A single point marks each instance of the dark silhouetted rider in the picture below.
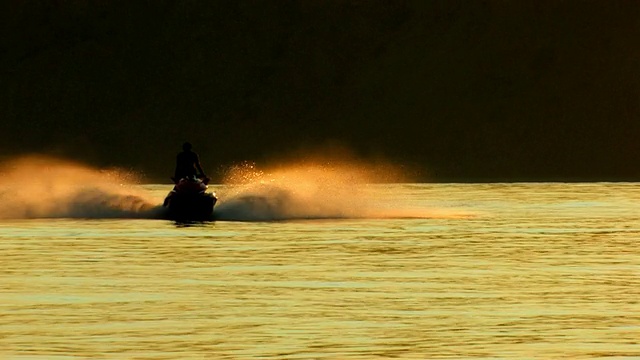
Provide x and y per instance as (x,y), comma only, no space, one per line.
(188,164)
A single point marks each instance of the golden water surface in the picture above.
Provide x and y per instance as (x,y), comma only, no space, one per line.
(507,271)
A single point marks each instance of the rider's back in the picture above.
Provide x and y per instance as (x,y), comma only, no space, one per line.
(186,164)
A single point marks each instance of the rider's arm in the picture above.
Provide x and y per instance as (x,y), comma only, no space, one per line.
(199,167)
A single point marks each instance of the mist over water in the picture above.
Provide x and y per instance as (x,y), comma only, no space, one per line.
(44,187)
(314,191)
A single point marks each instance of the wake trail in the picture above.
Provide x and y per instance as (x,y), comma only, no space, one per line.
(44,187)
(312,191)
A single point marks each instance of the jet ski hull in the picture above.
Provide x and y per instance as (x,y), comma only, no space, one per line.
(189,201)
(190,207)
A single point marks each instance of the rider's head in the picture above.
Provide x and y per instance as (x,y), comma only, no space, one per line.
(186,146)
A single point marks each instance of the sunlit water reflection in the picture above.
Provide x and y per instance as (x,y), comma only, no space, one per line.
(529,271)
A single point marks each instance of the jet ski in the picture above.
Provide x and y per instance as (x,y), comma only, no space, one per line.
(189,200)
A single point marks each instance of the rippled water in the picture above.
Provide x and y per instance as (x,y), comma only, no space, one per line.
(497,271)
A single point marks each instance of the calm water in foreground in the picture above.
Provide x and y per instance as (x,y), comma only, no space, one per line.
(507,271)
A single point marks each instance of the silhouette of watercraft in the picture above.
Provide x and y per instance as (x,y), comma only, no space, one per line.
(190,200)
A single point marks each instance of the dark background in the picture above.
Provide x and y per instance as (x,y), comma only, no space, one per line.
(465,90)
